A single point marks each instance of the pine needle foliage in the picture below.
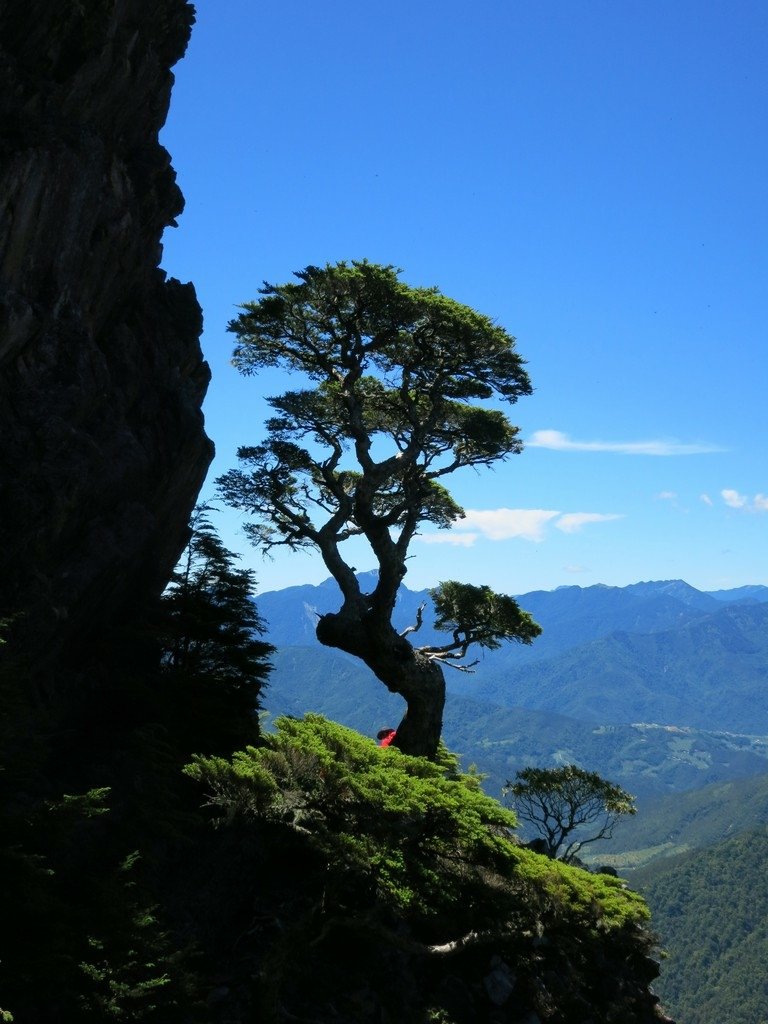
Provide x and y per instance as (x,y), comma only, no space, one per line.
(210,635)
(399,384)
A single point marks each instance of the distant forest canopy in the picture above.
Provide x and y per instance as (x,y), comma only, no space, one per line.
(711,906)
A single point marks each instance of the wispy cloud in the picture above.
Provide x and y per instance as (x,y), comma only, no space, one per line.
(575,568)
(505,523)
(741,501)
(706,499)
(560,442)
(513,523)
(667,495)
(462,540)
(734,499)
(572,522)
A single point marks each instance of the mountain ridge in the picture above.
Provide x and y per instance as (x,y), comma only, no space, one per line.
(646,758)
(657,652)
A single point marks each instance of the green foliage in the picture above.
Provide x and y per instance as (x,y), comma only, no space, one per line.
(394,881)
(477,615)
(560,803)
(393,367)
(316,323)
(397,373)
(402,832)
(389,818)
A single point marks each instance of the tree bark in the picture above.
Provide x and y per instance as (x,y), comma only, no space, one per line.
(402,669)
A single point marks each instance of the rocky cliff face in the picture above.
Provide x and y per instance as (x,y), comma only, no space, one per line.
(101,374)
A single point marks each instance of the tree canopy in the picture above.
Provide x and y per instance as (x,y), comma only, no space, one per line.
(565,805)
(396,376)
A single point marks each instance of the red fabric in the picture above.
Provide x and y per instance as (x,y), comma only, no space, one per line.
(386,740)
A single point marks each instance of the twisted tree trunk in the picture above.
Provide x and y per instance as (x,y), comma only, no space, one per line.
(401,668)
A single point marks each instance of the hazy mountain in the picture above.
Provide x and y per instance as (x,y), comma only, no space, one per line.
(569,616)
(658,652)
(707,674)
(645,759)
(757,593)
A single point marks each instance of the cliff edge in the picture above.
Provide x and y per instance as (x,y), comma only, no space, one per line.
(101,371)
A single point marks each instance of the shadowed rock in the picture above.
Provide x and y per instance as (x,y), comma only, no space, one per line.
(102,378)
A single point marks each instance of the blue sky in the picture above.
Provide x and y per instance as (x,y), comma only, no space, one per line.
(592,175)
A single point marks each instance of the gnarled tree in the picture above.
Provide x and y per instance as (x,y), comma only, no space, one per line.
(396,374)
(568,807)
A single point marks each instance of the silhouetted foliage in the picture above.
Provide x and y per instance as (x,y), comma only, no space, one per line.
(212,654)
(561,803)
(95,813)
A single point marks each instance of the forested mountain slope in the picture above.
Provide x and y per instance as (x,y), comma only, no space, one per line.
(676,823)
(711,907)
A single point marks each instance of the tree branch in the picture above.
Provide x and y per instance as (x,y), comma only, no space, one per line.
(419,621)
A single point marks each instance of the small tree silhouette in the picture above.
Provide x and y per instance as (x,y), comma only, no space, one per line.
(560,803)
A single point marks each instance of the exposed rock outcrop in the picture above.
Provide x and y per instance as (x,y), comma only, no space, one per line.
(103,447)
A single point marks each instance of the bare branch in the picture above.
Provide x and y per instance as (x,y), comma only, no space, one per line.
(419,621)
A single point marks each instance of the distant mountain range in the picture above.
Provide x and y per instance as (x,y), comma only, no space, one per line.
(658,686)
(709,672)
(645,759)
(652,652)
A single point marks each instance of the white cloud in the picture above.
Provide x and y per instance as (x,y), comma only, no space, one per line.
(571,522)
(464,540)
(706,499)
(666,496)
(575,568)
(735,500)
(506,523)
(510,523)
(560,442)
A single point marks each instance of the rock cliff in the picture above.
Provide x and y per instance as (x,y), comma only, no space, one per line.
(103,447)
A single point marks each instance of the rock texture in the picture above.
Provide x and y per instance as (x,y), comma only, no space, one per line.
(101,374)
